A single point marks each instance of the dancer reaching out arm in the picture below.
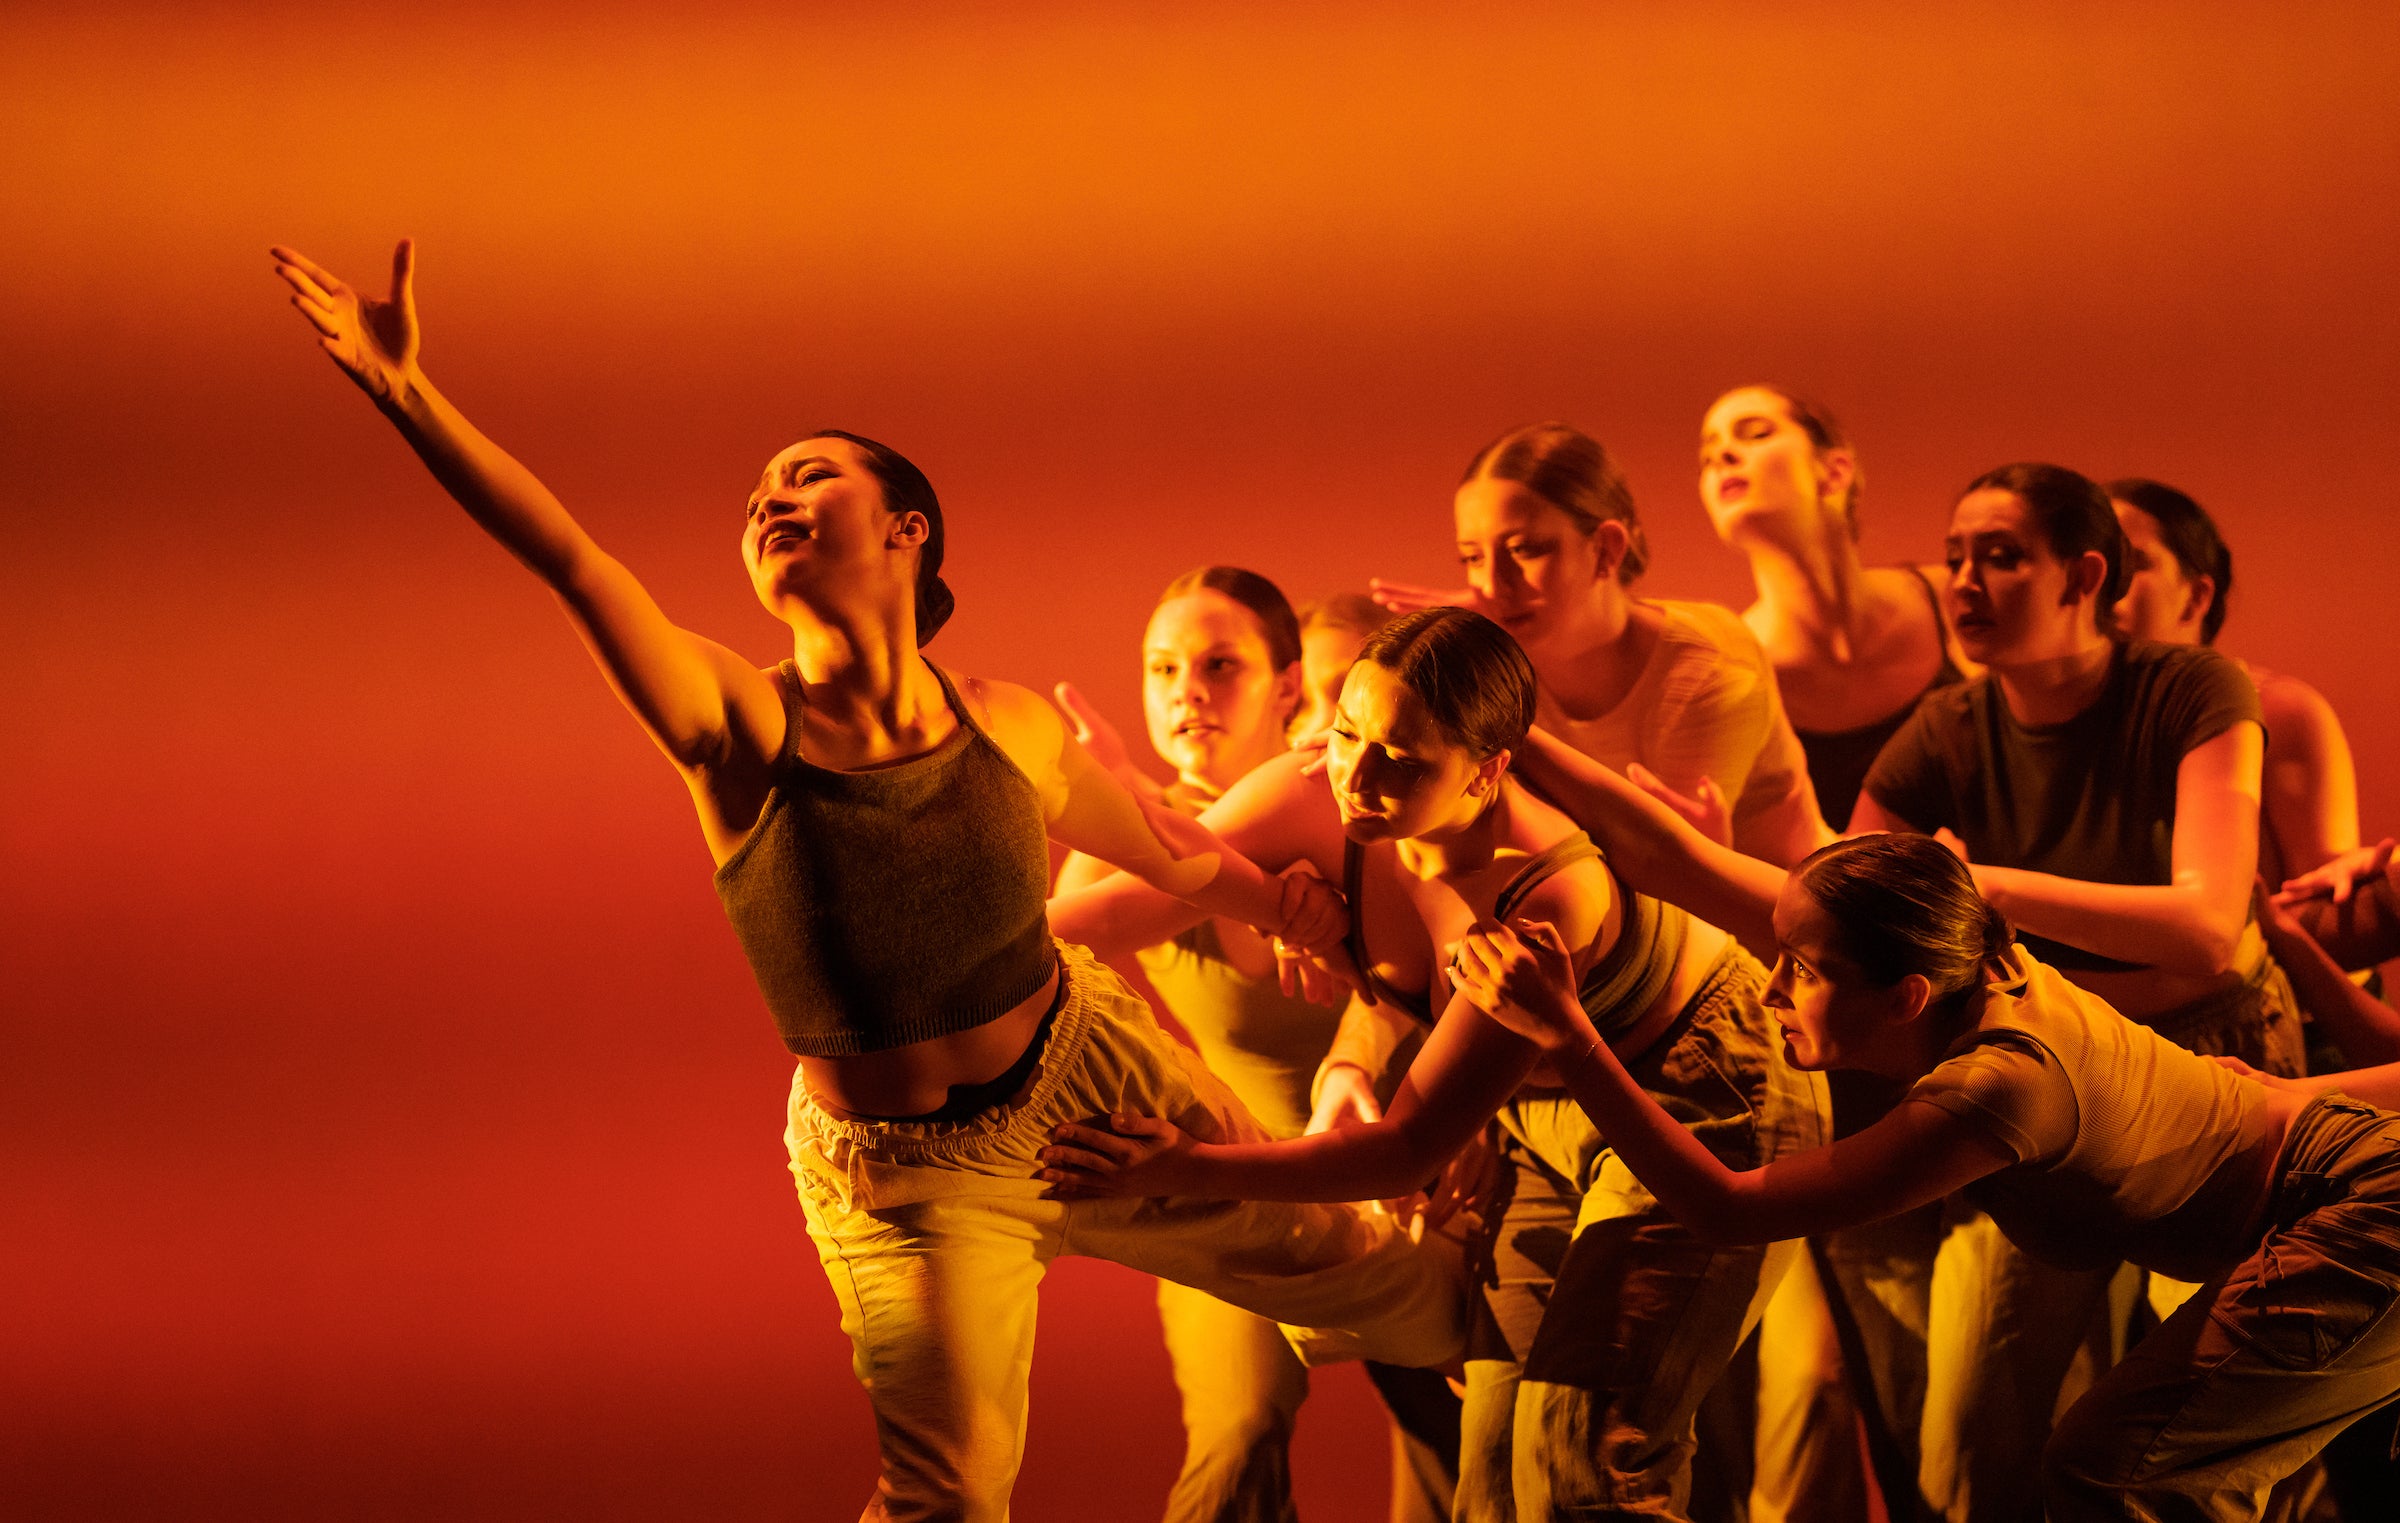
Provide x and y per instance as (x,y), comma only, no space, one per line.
(2273,1197)
(879,833)
(718,718)
(1592,1292)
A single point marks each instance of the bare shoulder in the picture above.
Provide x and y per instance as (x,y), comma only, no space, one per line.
(2296,713)
(1019,720)
(1278,814)
(1282,781)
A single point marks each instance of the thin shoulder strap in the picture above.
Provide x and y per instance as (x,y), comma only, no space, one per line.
(1354,872)
(950,696)
(795,701)
(1544,866)
(1941,626)
(1933,594)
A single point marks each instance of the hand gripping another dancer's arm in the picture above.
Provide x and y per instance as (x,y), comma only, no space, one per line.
(1519,974)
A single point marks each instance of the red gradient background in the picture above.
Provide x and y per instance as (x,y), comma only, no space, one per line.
(388,1127)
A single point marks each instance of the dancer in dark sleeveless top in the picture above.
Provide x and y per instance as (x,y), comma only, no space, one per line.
(1854,647)
(879,830)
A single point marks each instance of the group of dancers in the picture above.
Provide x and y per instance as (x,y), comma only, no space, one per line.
(1636,1029)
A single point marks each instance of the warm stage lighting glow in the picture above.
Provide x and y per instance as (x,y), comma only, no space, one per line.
(392,1129)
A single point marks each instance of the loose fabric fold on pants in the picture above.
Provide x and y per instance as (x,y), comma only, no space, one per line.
(2254,1375)
(1599,1321)
(935,1237)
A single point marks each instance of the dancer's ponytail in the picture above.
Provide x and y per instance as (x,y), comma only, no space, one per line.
(1906,904)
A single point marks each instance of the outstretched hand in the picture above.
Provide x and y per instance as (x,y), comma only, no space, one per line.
(1704,807)
(1316,919)
(1328,978)
(1522,976)
(1463,1189)
(2340,877)
(1097,734)
(1131,1156)
(1403,597)
(374,341)
(1346,1098)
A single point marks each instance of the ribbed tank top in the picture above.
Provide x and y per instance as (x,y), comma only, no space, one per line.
(1615,991)
(895,904)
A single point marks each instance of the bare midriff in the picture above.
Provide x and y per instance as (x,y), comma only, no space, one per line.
(916,1080)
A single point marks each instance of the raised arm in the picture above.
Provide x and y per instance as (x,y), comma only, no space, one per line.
(1655,850)
(701,702)
(2193,924)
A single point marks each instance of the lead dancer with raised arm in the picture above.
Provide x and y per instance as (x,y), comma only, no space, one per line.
(878,828)
(2087,1136)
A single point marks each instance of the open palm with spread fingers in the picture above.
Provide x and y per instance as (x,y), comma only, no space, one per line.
(374,341)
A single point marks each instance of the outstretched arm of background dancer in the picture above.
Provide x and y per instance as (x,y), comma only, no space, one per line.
(2308,798)
(2378,1086)
(2192,924)
(2350,905)
(699,700)
(2365,1028)
(1519,974)
(1090,810)
(1652,847)
(1469,1066)
(1274,817)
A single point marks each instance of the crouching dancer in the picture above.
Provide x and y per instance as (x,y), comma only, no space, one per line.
(2089,1138)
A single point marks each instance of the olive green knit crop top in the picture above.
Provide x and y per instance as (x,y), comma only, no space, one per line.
(890,905)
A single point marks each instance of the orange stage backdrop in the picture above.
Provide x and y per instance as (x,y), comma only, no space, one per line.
(388,1128)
